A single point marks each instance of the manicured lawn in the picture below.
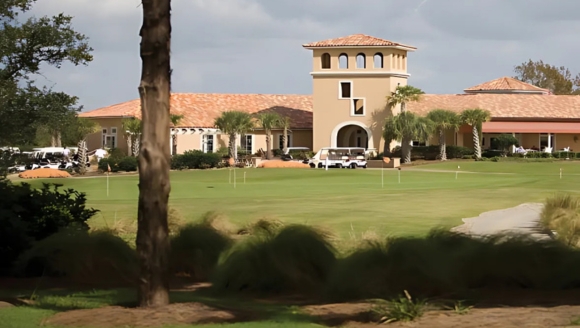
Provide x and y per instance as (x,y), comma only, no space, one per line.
(346,201)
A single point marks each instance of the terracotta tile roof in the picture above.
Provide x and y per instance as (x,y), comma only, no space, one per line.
(201,109)
(355,40)
(504,105)
(507,84)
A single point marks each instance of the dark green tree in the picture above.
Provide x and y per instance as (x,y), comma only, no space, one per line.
(25,45)
(557,79)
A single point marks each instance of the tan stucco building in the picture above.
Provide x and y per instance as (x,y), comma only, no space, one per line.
(352,76)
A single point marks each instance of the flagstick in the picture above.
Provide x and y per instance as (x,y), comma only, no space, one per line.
(234,177)
(107,184)
(399,175)
(230,175)
(457,172)
(560,173)
(383,175)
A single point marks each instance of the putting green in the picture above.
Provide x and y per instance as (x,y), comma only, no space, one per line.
(349,202)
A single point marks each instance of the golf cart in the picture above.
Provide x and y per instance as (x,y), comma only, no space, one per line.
(339,157)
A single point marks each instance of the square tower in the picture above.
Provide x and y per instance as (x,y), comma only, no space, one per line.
(352,76)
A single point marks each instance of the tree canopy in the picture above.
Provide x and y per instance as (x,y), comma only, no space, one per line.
(557,79)
(26,45)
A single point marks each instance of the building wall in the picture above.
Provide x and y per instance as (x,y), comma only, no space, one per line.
(371,84)
(95,140)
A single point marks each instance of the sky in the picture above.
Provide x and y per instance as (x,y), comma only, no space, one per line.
(255,46)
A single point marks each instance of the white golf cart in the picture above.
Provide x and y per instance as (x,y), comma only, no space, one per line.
(339,157)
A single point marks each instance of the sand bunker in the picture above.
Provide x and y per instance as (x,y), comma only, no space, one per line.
(283,164)
(43,173)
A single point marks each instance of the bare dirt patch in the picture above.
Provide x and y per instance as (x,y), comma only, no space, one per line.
(116,316)
(283,164)
(560,316)
(43,174)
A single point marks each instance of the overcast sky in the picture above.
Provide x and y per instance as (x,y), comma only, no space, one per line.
(254,46)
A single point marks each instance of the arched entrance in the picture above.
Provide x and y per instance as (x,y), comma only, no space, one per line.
(352,134)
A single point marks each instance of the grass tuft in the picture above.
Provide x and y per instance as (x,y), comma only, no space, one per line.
(402,308)
(81,257)
(297,259)
(561,214)
(196,248)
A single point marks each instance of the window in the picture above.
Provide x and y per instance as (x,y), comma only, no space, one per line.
(281,141)
(109,140)
(343,61)
(546,140)
(417,143)
(246,144)
(345,91)
(325,61)
(361,61)
(404,62)
(378,60)
(207,143)
(358,107)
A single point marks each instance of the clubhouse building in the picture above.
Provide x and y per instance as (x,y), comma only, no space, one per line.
(352,76)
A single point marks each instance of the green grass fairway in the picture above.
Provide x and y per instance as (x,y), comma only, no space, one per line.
(346,201)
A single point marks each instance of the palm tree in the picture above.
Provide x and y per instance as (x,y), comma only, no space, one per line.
(444,120)
(403,95)
(82,128)
(284,124)
(407,126)
(175,120)
(132,131)
(234,123)
(154,184)
(475,118)
(268,121)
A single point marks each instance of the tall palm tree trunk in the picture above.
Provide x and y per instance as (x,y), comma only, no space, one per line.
(135,145)
(268,145)
(476,145)
(285,141)
(406,149)
(82,156)
(154,186)
(232,146)
(442,145)
(174,150)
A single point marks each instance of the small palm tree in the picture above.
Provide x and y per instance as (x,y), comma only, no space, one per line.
(175,120)
(407,126)
(83,127)
(403,95)
(444,120)
(234,123)
(475,118)
(268,121)
(132,130)
(285,126)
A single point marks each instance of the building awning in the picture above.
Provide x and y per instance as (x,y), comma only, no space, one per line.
(531,127)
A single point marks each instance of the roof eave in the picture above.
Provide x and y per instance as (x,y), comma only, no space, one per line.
(398,47)
(505,91)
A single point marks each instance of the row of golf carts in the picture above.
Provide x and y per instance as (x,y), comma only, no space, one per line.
(333,157)
(48,157)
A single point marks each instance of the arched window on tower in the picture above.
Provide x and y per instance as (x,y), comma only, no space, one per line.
(361,61)
(378,60)
(325,61)
(343,61)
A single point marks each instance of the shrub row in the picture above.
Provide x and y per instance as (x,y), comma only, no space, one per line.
(119,164)
(432,152)
(195,159)
(299,259)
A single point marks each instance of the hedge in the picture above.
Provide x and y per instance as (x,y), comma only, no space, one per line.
(432,152)
(117,164)
(195,159)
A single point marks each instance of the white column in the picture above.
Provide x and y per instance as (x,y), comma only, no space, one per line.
(549,140)
(171,142)
(514,146)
